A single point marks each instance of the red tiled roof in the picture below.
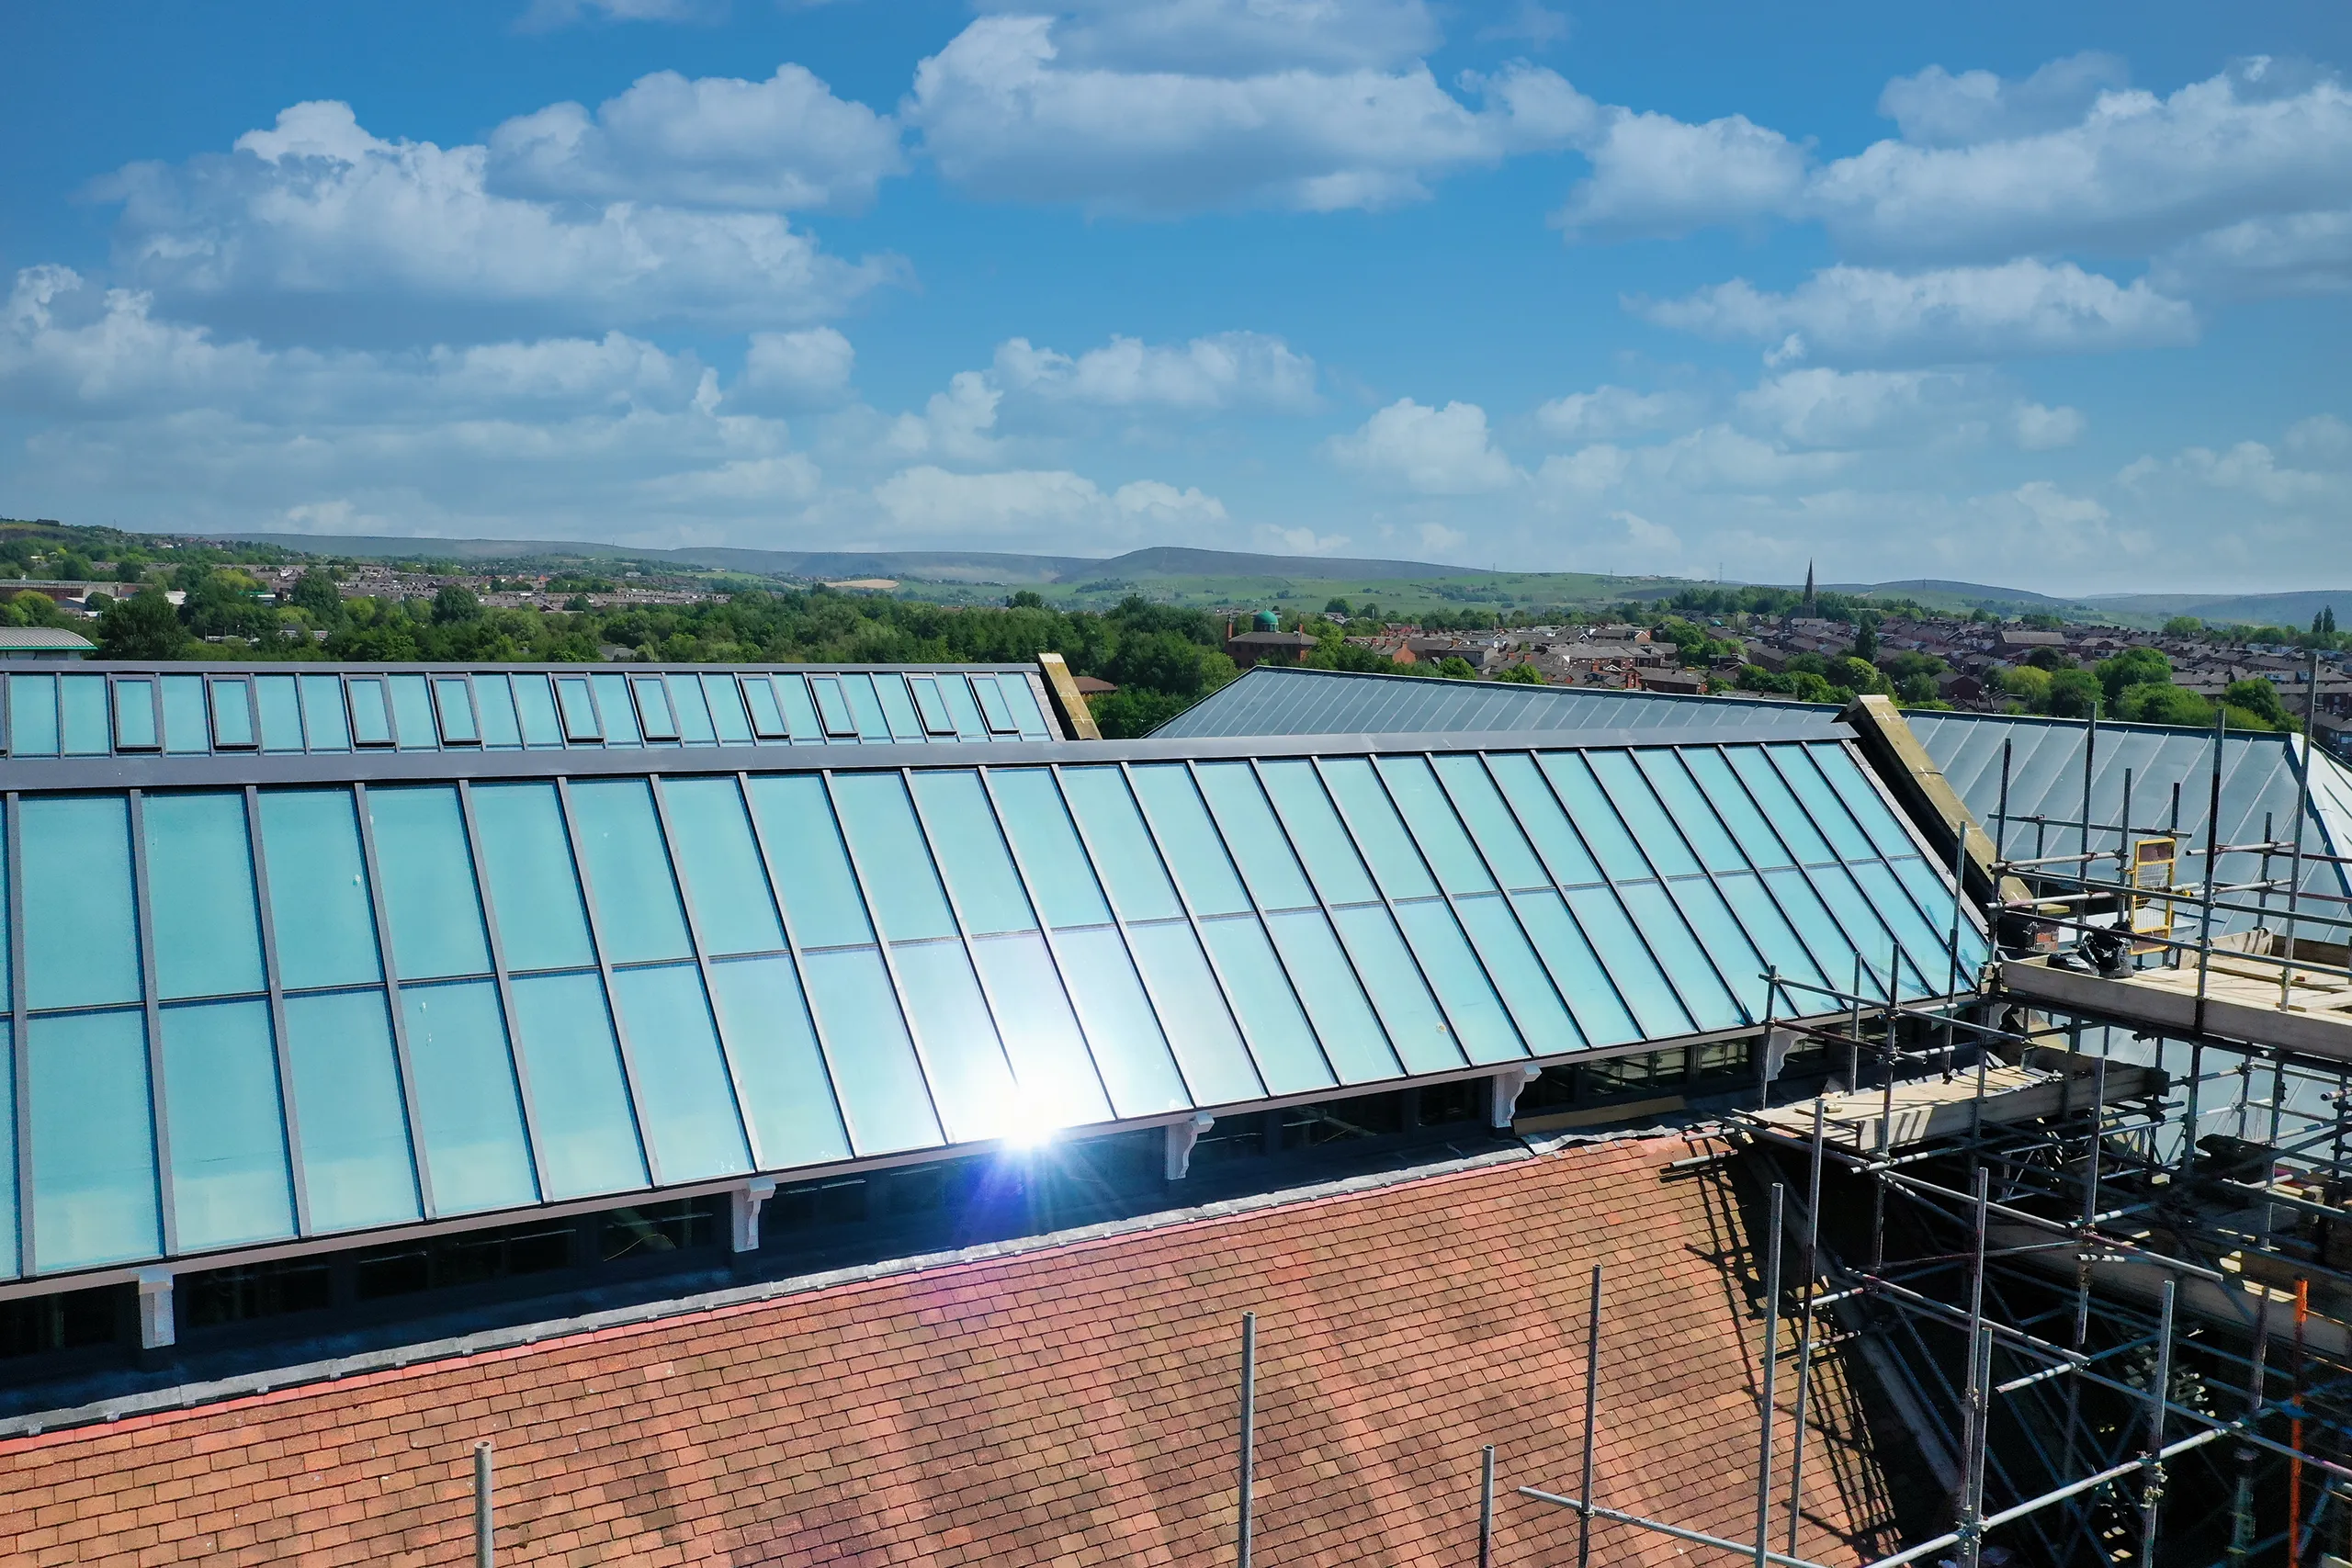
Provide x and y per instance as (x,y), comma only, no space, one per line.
(1073,1405)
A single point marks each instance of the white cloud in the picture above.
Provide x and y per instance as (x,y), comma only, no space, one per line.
(1437,539)
(2249,469)
(1228,370)
(1038,504)
(2322,439)
(2136,172)
(2302,253)
(1298,541)
(1612,413)
(2041,429)
(1239,38)
(1851,314)
(1653,174)
(789,477)
(1435,451)
(955,424)
(802,370)
(710,142)
(1936,109)
(1004,114)
(548,15)
(316,207)
(1915,409)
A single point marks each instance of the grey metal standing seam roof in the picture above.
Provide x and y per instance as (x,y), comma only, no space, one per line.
(251,1001)
(2259,771)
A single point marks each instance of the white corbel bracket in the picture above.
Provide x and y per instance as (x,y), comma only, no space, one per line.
(1181,1136)
(158,1324)
(1506,1087)
(747,1201)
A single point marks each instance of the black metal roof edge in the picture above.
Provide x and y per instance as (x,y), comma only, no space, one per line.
(151,771)
(482,667)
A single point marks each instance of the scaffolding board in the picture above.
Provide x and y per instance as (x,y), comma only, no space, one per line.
(2239,1001)
(1923,1109)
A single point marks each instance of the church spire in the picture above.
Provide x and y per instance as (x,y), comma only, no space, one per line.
(1811,604)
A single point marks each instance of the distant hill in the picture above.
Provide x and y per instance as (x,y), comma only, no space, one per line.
(2292,610)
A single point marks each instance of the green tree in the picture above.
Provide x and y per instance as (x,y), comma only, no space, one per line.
(144,626)
(2164,702)
(2184,625)
(1866,639)
(314,593)
(1336,606)
(1916,690)
(2030,683)
(2132,667)
(1125,713)
(1453,667)
(1909,662)
(2258,698)
(2074,694)
(1026,599)
(1522,674)
(1859,675)
(455,603)
(129,570)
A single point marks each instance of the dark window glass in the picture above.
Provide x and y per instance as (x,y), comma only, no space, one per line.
(1341,1120)
(254,1290)
(471,1257)
(38,1326)
(650,1230)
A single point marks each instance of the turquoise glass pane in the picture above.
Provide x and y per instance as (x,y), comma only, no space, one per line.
(614,706)
(32,716)
(685,1100)
(1423,1041)
(1600,1015)
(1260,849)
(1628,959)
(865,708)
(453,709)
(134,716)
(578,700)
(1136,878)
(797,712)
(412,713)
(579,1101)
(1535,1007)
(323,720)
(1059,1087)
(787,1092)
(1829,813)
(1870,808)
(1638,805)
(1710,1005)
(1315,828)
(1022,698)
(93,1141)
(8,993)
(281,713)
(1538,813)
(1730,798)
(81,934)
(728,717)
(1929,946)
(185,729)
(229,1180)
(994,711)
(767,715)
(1191,1008)
(1483,1029)
(1121,1027)
(711,839)
(971,1078)
(1931,890)
(1595,819)
(357,1169)
(534,709)
(1782,809)
(428,883)
(693,712)
(502,727)
(1831,947)
(9,1265)
(1396,860)
(896,868)
(466,1101)
(957,693)
(319,910)
(655,716)
(1736,959)
(637,914)
(1279,1034)
(898,707)
(1435,828)
(371,712)
(82,713)
(882,1089)
(1689,810)
(972,853)
(806,860)
(533,889)
(929,706)
(832,707)
(200,886)
(1492,827)
(1872,937)
(233,714)
(1056,861)
(1769,929)
(1351,1033)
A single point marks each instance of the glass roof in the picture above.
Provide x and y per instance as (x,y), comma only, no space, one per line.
(282,709)
(240,1015)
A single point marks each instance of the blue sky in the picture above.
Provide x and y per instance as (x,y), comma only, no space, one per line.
(2052,296)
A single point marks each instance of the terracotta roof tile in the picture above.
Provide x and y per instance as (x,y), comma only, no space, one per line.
(1072,1405)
